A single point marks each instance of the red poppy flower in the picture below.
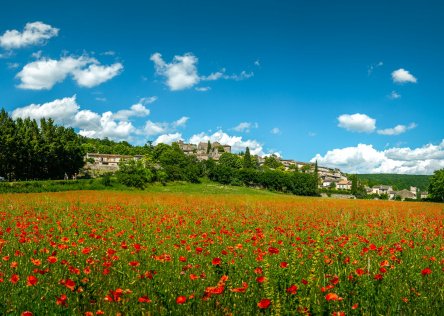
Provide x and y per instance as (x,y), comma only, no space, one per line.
(241,289)
(31,281)
(426,271)
(355,306)
(62,300)
(27,313)
(144,299)
(216,261)
(260,279)
(292,289)
(14,278)
(194,277)
(283,264)
(182,259)
(181,299)
(378,277)
(360,271)
(264,303)
(331,297)
(273,250)
(134,263)
(52,259)
(258,271)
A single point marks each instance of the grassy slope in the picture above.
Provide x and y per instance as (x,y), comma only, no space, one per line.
(205,187)
(400,181)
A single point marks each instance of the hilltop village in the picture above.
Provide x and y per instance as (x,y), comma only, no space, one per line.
(330,179)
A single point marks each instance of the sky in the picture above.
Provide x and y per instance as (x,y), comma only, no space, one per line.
(355,85)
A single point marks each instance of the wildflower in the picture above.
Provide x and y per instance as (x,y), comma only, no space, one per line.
(181,299)
(14,278)
(292,289)
(264,303)
(331,297)
(426,271)
(216,261)
(144,299)
(62,300)
(26,313)
(273,250)
(52,259)
(283,264)
(241,289)
(31,281)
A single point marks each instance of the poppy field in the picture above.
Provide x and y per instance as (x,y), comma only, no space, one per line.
(126,253)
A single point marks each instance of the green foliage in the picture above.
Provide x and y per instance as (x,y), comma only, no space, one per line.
(37,151)
(436,187)
(247,162)
(230,160)
(397,181)
(133,173)
(106,179)
(272,162)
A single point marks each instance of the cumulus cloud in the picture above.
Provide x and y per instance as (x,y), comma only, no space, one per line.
(95,75)
(398,129)
(156,128)
(366,159)
(44,73)
(237,143)
(35,33)
(245,127)
(394,95)
(181,73)
(67,112)
(275,131)
(403,76)
(62,111)
(168,138)
(360,123)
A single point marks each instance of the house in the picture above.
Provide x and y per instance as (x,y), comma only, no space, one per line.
(107,159)
(424,195)
(406,194)
(381,189)
(344,185)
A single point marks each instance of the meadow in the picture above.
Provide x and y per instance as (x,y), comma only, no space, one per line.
(232,253)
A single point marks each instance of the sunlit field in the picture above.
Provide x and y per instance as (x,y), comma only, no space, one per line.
(94,253)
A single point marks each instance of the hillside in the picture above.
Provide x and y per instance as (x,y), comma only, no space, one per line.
(398,181)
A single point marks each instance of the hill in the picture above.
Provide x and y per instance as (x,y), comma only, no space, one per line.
(398,181)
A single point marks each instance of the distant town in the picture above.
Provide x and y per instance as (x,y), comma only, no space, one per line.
(329,178)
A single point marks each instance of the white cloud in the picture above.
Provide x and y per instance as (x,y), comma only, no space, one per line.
(156,128)
(35,33)
(275,131)
(372,67)
(237,143)
(13,65)
(168,138)
(359,123)
(138,110)
(402,76)
(366,159)
(394,95)
(148,100)
(95,75)
(202,89)
(398,129)
(182,72)
(67,112)
(245,127)
(257,62)
(61,111)
(44,73)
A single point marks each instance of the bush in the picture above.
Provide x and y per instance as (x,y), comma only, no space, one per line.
(133,173)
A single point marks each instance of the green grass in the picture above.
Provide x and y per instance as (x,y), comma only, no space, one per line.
(205,187)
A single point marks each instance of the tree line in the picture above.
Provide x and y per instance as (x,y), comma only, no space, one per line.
(31,150)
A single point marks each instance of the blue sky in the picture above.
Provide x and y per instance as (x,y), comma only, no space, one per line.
(354,84)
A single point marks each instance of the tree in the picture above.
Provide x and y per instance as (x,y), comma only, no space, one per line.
(272,162)
(436,187)
(208,147)
(230,160)
(247,159)
(133,173)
